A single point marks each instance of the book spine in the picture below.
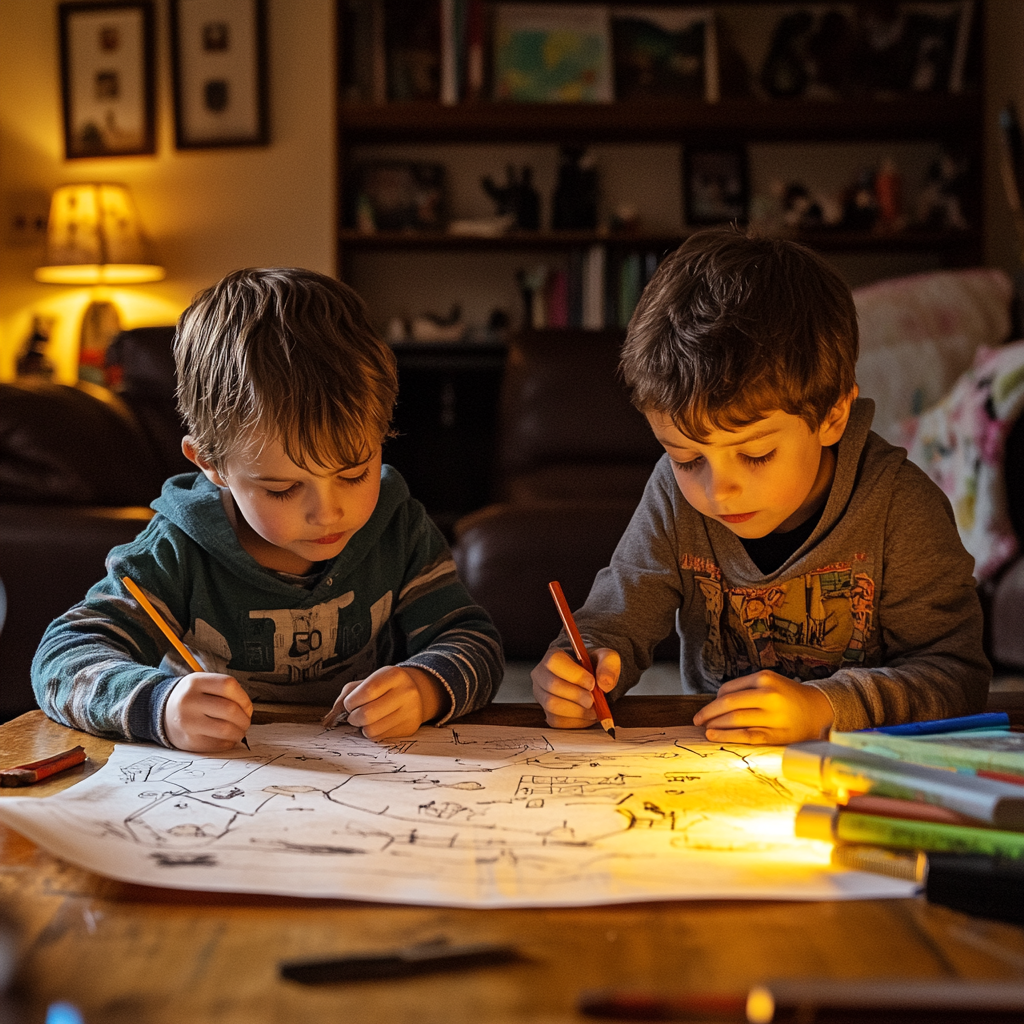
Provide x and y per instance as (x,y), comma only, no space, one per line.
(576,288)
(963,39)
(593,288)
(712,88)
(379,56)
(629,287)
(449,59)
(475,32)
(557,298)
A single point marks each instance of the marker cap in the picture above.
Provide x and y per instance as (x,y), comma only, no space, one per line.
(802,763)
(815,821)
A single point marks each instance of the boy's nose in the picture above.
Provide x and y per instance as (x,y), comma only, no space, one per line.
(721,487)
(325,510)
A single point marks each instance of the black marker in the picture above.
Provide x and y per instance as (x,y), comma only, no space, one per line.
(400,963)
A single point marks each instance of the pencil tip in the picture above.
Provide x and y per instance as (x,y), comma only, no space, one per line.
(246,742)
(611,732)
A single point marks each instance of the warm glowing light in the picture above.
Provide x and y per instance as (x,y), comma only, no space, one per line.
(94,236)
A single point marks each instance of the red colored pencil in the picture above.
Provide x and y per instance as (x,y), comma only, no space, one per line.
(604,714)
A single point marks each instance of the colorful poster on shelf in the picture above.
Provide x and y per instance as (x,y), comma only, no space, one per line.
(550,53)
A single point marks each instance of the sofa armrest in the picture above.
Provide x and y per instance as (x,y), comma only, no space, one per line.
(50,555)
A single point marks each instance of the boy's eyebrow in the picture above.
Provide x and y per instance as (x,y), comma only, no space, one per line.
(291,479)
(756,436)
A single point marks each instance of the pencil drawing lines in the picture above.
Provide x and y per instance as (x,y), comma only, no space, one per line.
(567,785)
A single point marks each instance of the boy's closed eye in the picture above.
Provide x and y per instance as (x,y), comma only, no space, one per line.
(290,492)
(751,460)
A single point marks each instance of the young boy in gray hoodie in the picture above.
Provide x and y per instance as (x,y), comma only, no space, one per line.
(815,576)
(293,564)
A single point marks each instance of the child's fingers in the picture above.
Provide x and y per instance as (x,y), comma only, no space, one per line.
(740,700)
(223,686)
(548,684)
(339,707)
(607,666)
(562,708)
(397,722)
(763,737)
(557,722)
(562,666)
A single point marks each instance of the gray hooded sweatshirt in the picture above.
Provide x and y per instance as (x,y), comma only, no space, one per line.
(877,608)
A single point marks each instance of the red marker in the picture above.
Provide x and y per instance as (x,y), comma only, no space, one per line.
(604,713)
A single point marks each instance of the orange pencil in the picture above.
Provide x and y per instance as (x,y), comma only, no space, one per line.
(147,607)
(604,713)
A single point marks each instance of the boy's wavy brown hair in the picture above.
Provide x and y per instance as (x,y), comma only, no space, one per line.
(286,353)
(733,326)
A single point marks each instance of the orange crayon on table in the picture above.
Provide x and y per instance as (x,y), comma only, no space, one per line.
(147,607)
(604,714)
(35,771)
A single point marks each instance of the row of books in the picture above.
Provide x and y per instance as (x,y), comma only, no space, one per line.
(463,50)
(896,807)
(598,288)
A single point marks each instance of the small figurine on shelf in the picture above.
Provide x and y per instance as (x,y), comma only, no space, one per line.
(574,203)
(34,361)
(860,205)
(448,327)
(785,72)
(517,198)
(940,204)
(889,197)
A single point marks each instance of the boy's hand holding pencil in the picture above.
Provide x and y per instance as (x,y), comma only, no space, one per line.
(207,711)
(564,688)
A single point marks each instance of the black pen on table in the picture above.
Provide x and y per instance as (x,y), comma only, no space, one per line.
(147,607)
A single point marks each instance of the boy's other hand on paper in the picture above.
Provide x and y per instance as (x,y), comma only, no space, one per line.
(765,707)
(207,711)
(562,686)
(393,701)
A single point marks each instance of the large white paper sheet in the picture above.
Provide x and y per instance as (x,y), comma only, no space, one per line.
(470,816)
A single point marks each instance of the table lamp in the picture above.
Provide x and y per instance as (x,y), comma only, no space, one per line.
(93,237)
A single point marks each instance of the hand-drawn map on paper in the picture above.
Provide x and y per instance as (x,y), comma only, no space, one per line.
(471,815)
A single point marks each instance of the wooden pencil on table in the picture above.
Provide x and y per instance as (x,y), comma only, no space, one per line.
(604,714)
(147,607)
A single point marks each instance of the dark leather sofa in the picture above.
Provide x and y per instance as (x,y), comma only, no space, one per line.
(78,469)
(573,458)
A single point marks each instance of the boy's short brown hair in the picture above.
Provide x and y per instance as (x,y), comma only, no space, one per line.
(288,353)
(733,326)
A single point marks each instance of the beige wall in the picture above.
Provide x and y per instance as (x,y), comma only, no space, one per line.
(206,211)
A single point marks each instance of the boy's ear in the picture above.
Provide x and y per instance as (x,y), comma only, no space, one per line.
(834,425)
(188,449)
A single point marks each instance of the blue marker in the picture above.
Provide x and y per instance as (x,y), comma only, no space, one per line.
(986,720)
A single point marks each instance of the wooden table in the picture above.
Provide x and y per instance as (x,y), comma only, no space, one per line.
(127,954)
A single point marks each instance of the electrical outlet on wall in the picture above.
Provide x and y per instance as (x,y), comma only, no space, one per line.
(25,217)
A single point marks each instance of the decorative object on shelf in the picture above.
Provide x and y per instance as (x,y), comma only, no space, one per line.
(860,204)
(219,66)
(665,51)
(889,196)
(517,198)
(784,72)
(552,53)
(94,237)
(398,195)
(412,40)
(941,202)
(446,327)
(715,185)
(34,360)
(575,199)
(107,79)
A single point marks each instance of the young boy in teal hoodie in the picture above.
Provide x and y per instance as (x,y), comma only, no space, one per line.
(294,565)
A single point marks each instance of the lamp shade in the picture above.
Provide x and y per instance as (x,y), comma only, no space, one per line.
(94,237)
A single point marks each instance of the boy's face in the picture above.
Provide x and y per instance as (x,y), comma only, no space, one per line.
(769,475)
(287,517)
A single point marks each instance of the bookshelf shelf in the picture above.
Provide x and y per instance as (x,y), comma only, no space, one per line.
(826,240)
(906,118)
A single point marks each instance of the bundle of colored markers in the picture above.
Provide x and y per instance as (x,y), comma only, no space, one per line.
(940,803)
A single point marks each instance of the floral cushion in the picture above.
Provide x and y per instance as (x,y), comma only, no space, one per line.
(960,444)
(919,333)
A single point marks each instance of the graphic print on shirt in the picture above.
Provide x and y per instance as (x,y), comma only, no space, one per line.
(806,627)
(298,645)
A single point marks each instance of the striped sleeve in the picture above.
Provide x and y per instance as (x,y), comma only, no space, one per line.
(446,633)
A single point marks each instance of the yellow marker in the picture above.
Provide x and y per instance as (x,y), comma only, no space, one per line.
(147,607)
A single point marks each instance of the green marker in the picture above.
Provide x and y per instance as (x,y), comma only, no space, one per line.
(831,824)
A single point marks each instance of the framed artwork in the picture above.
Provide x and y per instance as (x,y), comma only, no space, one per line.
(552,53)
(219,68)
(107,79)
(716,187)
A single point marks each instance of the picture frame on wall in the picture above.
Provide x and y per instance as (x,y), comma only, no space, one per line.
(107,78)
(716,185)
(219,73)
